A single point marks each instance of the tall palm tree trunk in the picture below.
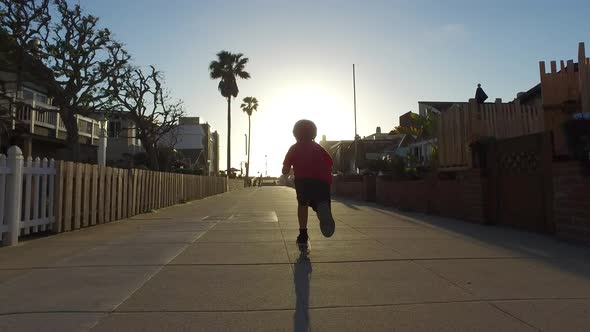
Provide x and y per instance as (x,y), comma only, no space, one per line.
(228,135)
(248,162)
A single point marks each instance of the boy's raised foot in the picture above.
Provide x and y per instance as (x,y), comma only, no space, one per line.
(327,224)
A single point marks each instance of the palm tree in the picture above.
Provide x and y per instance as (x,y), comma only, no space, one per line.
(227,67)
(250,105)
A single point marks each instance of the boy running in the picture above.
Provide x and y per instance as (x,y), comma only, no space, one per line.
(312,166)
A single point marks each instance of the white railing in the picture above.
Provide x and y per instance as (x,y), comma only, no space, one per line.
(26,195)
(50,119)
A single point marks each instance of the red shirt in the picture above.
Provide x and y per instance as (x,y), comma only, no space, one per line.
(309,160)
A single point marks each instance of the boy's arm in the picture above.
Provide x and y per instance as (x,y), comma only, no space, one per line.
(288,162)
(327,159)
(286,169)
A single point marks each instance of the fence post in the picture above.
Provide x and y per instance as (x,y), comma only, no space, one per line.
(15,164)
(58,190)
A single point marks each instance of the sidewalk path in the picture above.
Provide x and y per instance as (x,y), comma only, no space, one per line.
(229,262)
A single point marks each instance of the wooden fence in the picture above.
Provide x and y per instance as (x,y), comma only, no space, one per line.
(570,84)
(62,196)
(465,123)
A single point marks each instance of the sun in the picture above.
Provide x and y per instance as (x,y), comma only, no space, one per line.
(329,110)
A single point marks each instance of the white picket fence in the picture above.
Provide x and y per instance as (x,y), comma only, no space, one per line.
(41,195)
(26,195)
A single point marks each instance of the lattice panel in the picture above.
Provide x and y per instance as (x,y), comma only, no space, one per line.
(519,163)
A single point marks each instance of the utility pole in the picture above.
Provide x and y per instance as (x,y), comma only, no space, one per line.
(354,96)
(266,165)
(355,128)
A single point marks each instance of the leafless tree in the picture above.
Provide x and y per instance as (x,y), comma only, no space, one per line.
(81,55)
(140,94)
(84,58)
(25,20)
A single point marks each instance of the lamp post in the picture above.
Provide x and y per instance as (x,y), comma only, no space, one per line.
(266,165)
(102,140)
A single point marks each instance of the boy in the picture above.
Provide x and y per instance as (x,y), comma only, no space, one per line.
(312,166)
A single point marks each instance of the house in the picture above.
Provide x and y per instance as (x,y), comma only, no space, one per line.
(342,153)
(532,97)
(122,140)
(31,119)
(349,154)
(197,144)
(380,145)
(420,151)
(427,108)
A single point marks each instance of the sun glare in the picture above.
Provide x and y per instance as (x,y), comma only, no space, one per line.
(331,112)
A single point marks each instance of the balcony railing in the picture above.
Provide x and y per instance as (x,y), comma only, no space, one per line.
(49,118)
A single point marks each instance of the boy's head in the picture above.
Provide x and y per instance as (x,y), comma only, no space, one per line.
(305,130)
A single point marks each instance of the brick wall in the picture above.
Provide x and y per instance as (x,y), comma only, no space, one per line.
(461,197)
(360,188)
(571,201)
(348,186)
(405,195)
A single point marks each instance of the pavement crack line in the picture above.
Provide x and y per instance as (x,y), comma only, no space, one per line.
(513,316)
(141,284)
(290,262)
(400,304)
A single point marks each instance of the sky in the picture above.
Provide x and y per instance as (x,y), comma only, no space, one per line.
(301,55)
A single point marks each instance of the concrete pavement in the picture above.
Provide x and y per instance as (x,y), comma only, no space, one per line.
(229,262)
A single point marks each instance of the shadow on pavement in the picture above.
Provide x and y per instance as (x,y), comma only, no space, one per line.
(301,278)
(566,256)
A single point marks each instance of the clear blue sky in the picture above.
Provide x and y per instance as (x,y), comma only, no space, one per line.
(301,54)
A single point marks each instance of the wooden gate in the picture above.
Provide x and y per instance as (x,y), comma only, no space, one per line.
(520,188)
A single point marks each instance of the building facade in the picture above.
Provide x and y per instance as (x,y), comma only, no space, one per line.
(196,143)
(122,143)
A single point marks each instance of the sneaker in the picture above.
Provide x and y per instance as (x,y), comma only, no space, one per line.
(302,239)
(327,224)
(303,242)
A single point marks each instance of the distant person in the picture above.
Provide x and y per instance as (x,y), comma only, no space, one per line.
(260,180)
(312,166)
(480,95)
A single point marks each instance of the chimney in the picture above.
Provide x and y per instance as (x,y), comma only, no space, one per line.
(378,130)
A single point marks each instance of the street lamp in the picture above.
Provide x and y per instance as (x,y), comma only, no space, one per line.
(102,139)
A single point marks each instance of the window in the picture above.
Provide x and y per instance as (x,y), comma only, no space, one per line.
(28,95)
(114,129)
(41,98)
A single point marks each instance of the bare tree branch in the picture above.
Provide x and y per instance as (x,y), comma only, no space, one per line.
(84,58)
(141,95)
(25,20)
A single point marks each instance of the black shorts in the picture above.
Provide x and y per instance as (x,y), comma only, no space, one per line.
(310,192)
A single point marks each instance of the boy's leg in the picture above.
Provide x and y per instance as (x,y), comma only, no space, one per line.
(302,203)
(302,238)
(323,208)
(302,215)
